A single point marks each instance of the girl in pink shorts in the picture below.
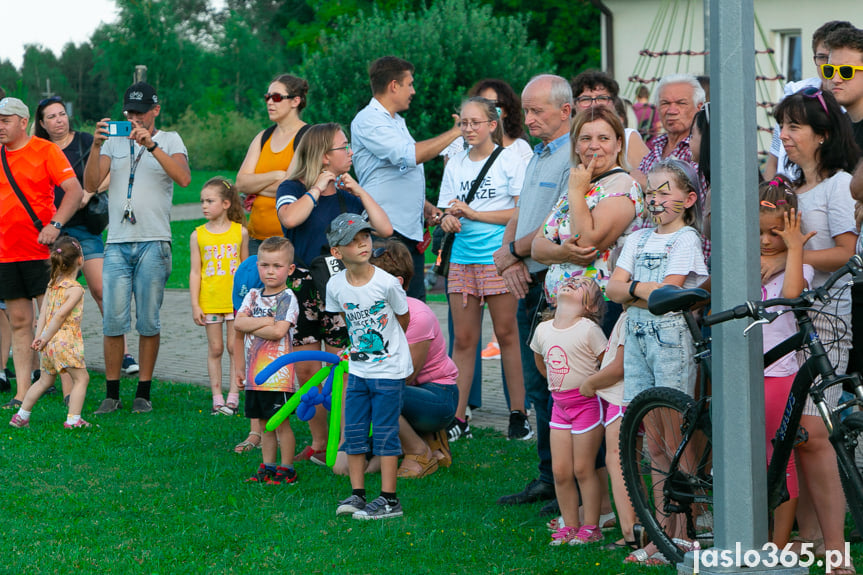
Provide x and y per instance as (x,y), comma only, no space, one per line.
(568,349)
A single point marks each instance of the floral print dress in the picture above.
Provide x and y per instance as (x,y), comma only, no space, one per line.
(66,348)
(557,229)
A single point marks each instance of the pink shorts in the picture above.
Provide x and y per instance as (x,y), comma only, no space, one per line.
(575,412)
(611,412)
(478,280)
(218,317)
(776,390)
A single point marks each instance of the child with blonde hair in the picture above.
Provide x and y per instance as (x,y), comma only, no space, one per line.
(216,249)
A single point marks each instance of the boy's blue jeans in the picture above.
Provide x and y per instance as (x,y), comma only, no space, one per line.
(375,402)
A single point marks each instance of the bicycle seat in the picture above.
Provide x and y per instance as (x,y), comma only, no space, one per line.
(672,298)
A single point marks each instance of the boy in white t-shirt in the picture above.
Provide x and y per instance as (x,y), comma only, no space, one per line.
(375,309)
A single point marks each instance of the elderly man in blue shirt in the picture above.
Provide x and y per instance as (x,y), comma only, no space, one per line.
(388,161)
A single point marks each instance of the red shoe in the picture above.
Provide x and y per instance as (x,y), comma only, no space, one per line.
(307,453)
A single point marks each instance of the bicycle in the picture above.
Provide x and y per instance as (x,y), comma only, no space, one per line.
(670,483)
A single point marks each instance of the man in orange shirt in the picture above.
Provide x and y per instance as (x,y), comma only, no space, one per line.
(26,232)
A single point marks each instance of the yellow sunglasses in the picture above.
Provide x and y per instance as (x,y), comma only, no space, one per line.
(845,72)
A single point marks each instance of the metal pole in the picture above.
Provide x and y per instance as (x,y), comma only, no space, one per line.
(739,456)
(706,8)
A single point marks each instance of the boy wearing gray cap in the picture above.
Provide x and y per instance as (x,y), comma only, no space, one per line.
(375,308)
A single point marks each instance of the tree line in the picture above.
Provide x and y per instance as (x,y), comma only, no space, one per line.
(211,67)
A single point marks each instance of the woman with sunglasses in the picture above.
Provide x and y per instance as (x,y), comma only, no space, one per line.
(269,156)
(817,138)
(318,188)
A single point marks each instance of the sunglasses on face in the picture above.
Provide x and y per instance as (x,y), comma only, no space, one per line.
(276,97)
(845,72)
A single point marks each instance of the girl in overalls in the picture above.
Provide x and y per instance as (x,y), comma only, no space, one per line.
(659,349)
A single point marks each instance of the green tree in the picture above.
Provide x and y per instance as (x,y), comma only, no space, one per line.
(10,79)
(452,44)
(41,75)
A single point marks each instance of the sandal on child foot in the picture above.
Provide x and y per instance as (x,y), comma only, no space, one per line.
(249,444)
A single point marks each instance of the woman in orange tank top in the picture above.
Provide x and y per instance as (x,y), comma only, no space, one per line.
(270,155)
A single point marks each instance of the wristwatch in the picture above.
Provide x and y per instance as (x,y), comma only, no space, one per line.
(57,225)
(153,147)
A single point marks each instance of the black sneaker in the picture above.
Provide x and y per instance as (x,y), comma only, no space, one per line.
(263,475)
(10,375)
(130,366)
(34,377)
(379,509)
(519,426)
(4,382)
(283,476)
(458,429)
(351,505)
(536,490)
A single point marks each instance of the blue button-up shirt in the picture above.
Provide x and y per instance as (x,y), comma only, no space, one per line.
(386,167)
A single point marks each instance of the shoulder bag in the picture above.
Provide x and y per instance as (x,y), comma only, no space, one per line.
(441,267)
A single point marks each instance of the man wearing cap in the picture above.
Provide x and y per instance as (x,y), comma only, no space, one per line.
(144,168)
(388,161)
(26,231)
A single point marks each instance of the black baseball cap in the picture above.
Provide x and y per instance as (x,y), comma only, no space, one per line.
(140,97)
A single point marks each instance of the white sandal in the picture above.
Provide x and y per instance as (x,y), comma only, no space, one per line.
(248,445)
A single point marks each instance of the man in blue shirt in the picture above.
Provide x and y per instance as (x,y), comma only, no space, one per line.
(388,161)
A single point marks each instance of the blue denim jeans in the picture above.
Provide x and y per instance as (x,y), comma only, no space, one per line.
(375,402)
(535,385)
(139,269)
(658,352)
(430,407)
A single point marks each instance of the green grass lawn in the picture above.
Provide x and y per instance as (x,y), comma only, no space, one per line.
(164,493)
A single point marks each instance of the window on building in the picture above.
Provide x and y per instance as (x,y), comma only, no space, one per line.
(791,56)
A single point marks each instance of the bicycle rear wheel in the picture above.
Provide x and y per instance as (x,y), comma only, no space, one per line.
(852,436)
(666,455)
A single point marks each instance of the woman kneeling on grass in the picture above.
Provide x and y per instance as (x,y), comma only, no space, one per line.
(431,395)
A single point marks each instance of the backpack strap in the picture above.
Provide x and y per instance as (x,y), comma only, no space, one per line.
(299,135)
(266,135)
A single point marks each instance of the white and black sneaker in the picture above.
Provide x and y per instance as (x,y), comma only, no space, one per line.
(519,426)
(458,429)
(351,505)
(130,366)
(379,509)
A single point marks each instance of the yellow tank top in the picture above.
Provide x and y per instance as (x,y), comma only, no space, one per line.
(263,220)
(220,258)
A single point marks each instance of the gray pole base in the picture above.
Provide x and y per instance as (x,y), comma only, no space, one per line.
(714,560)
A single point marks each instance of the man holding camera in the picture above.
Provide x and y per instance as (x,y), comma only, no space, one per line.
(144,165)
(32,167)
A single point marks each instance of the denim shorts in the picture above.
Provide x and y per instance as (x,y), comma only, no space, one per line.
(91,244)
(139,269)
(376,402)
(430,407)
(658,353)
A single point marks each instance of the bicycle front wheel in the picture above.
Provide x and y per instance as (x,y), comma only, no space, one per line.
(666,455)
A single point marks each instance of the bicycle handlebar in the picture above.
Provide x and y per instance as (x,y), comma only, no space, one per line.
(757,309)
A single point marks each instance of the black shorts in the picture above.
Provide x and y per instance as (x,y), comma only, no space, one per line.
(24,280)
(264,404)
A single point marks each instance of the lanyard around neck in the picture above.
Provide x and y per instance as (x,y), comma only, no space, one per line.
(133,168)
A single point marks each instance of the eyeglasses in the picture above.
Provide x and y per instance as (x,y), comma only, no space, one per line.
(815,93)
(845,72)
(585,101)
(378,252)
(706,109)
(276,97)
(821,57)
(51,100)
(346,147)
(465,124)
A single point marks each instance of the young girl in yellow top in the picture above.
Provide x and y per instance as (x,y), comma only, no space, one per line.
(58,335)
(216,249)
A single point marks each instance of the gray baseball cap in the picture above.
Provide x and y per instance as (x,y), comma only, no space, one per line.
(14,107)
(344,227)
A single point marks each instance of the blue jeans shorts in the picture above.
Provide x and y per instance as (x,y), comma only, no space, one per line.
(430,407)
(658,352)
(139,269)
(376,402)
(91,244)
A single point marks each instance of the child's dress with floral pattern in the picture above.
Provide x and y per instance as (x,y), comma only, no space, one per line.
(66,348)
